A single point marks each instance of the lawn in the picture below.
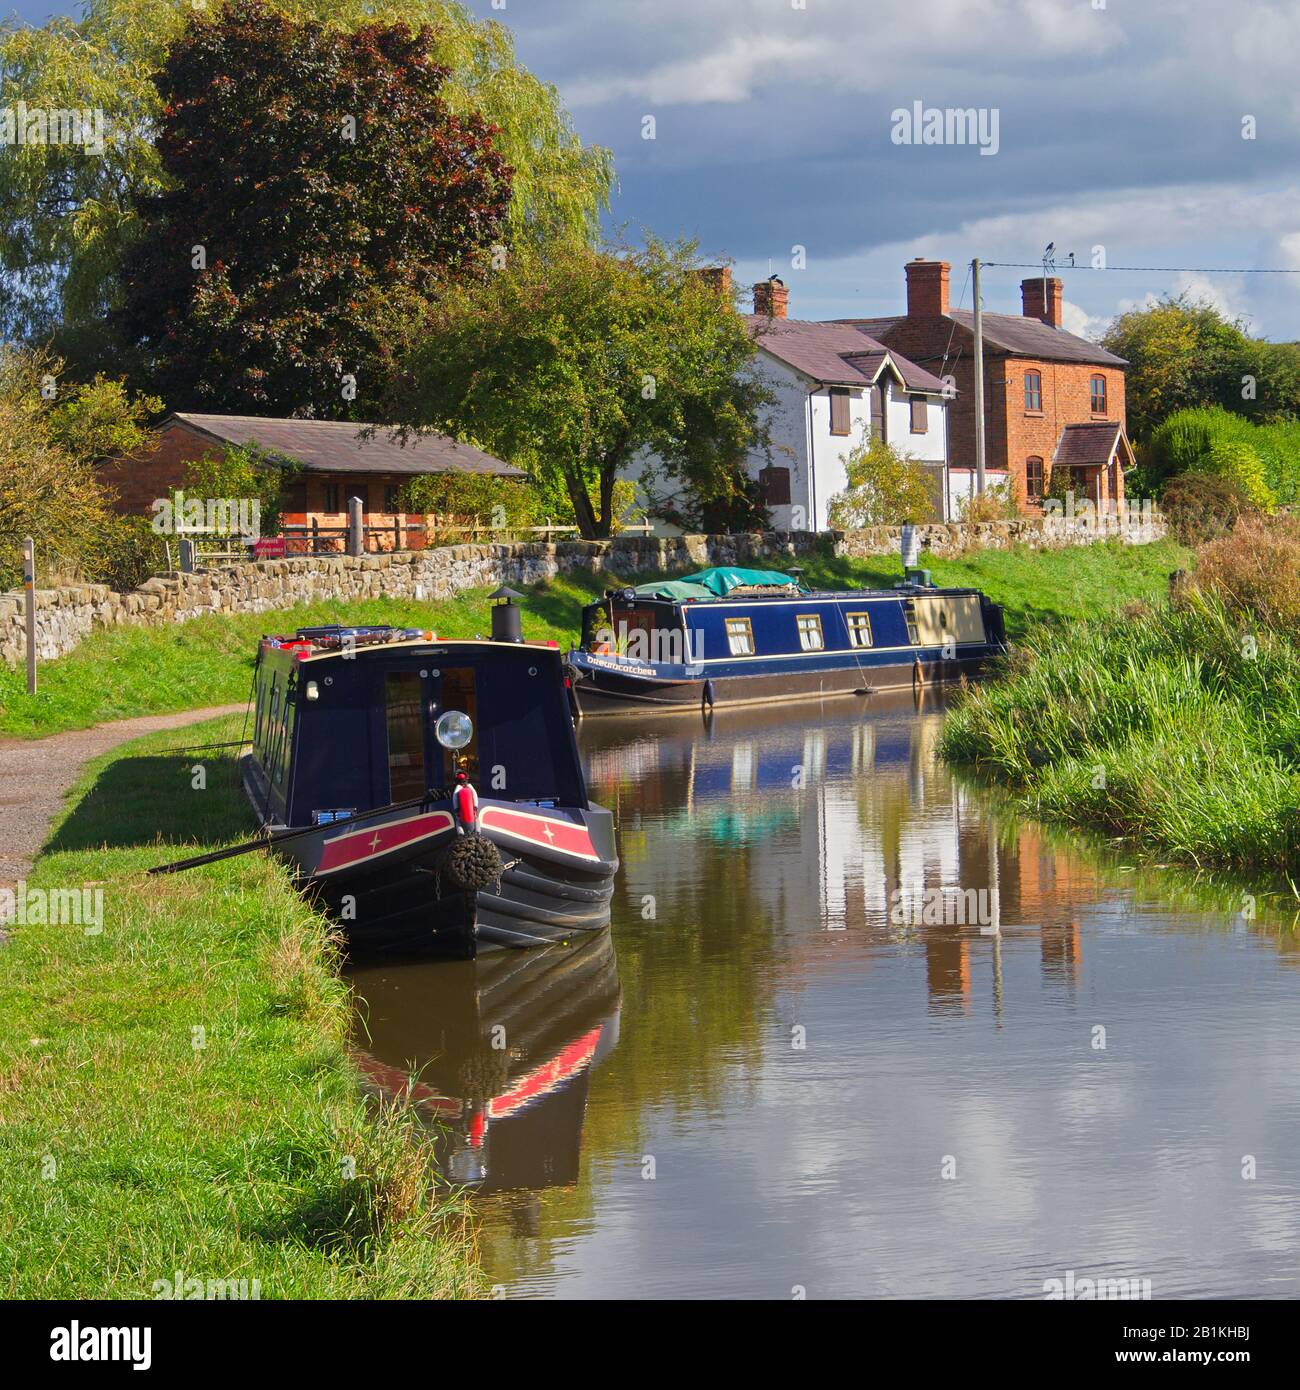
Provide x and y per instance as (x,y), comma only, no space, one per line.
(209,661)
(175,1092)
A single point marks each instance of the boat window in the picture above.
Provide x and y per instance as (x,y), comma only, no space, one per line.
(810,632)
(457,690)
(740,637)
(405,735)
(909,614)
(859,629)
(286,735)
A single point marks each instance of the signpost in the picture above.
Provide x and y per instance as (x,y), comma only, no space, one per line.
(29,605)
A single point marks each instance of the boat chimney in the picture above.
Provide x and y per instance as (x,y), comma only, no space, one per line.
(506,625)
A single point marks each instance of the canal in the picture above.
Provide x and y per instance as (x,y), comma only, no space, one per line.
(797,1066)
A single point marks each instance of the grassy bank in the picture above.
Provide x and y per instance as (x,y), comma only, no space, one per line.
(209,661)
(175,1093)
(1177,728)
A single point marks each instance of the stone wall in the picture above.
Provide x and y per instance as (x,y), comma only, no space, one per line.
(1034,532)
(64,616)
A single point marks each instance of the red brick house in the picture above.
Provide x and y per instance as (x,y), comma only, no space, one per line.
(334,462)
(1052,399)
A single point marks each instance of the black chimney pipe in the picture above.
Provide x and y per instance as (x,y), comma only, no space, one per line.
(506,622)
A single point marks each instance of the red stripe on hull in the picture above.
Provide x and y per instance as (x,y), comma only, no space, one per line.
(373,842)
(561,835)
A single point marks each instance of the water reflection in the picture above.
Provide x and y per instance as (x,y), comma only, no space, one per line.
(495,1052)
(798,1068)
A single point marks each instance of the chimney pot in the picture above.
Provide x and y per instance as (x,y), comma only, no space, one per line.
(772,298)
(1038,305)
(927,288)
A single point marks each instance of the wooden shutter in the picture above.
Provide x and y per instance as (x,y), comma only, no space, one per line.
(839,410)
(920,415)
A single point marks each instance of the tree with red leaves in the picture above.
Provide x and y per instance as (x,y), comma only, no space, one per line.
(318,187)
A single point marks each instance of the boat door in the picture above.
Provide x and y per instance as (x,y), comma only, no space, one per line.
(948,617)
(414,701)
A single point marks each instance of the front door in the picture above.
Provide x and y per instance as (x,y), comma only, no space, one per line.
(414,701)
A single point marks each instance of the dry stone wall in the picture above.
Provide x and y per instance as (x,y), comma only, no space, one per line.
(66,615)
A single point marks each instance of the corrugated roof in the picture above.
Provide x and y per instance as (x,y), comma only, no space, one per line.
(330,446)
(1022,337)
(834,354)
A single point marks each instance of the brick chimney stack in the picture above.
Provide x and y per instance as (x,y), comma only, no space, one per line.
(717,277)
(927,288)
(771,298)
(1039,305)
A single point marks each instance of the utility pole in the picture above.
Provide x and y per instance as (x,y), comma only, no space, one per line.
(979,380)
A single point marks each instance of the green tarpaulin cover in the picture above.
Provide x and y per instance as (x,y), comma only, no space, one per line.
(714,583)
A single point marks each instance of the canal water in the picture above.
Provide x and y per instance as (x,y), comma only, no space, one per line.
(797,1066)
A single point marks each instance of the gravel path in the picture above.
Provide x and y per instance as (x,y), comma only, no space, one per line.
(35,775)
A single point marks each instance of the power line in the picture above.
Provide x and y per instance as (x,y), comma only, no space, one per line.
(1144,269)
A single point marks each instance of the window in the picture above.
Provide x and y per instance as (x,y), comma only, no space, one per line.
(331,497)
(859,629)
(1034,479)
(839,410)
(740,637)
(810,632)
(1033,390)
(1099,395)
(295,497)
(879,417)
(909,616)
(920,415)
(775,483)
(405,735)
(391,498)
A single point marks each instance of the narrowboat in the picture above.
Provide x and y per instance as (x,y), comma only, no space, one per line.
(746,637)
(427,792)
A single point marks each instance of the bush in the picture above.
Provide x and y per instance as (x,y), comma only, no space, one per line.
(243,473)
(995,503)
(1200,506)
(1255,570)
(885,488)
(127,552)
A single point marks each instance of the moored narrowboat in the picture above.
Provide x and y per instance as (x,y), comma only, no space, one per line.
(429,793)
(744,637)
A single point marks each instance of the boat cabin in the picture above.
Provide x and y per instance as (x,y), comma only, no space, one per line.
(347,720)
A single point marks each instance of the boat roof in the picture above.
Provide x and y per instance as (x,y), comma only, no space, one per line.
(717,582)
(794,594)
(315,643)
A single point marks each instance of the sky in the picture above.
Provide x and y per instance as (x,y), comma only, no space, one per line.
(1119,125)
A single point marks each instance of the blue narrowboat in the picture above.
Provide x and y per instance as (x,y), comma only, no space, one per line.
(429,792)
(730,636)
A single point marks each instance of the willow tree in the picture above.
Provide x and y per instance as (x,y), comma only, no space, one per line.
(66,212)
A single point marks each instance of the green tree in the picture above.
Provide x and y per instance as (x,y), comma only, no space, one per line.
(1181,353)
(50,438)
(885,488)
(577,365)
(67,215)
(243,472)
(313,175)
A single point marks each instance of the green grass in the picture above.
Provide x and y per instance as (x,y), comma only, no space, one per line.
(1034,586)
(127,1151)
(1167,729)
(209,661)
